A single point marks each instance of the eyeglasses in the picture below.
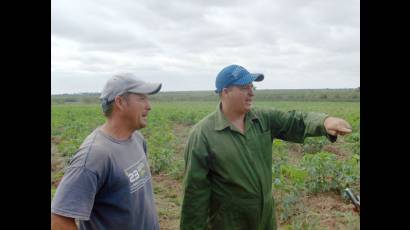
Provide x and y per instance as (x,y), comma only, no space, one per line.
(245,88)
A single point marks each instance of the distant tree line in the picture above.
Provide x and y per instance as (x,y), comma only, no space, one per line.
(261,95)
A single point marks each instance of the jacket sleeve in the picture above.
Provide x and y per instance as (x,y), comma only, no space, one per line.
(295,126)
(197,190)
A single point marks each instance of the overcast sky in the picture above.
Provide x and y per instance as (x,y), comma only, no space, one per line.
(185,43)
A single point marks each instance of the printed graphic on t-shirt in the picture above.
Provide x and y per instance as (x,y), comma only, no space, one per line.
(138,174)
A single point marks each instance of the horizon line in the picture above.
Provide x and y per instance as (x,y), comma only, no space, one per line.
(177,91)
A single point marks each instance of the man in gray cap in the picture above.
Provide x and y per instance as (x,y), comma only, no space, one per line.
(107,184)
(228,157)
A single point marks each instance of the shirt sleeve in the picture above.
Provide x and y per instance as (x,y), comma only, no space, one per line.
(75,194)
(197,190)
(295,126)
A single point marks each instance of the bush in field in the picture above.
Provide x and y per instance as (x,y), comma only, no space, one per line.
(349,173)
(289,187)
(323,96)
(72,124)
(327,173)
(160,149)
(354,137)
(279,157)
(190,115)
(315,173)
(355,148)
(314,144)
(287,201)
(288,182)
(188,118)
(160,159)
(295,174)
(159,142)
(321,168)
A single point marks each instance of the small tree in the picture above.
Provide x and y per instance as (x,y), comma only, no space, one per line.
(323,96)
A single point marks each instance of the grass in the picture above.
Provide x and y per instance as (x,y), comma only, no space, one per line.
(297,168)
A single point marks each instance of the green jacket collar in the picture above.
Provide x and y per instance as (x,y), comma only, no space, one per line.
(221,122)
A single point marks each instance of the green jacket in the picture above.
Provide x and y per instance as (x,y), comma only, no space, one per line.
(228,175)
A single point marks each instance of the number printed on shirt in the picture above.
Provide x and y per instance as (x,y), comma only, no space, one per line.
(134,176)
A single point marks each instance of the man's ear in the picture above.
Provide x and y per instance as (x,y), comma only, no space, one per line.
(119,102)
(224,91)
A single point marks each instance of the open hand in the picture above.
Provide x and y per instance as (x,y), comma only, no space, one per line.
(337,126)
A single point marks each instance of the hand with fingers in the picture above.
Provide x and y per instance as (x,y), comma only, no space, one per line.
(336,126)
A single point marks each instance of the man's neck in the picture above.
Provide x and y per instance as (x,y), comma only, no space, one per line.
(117,130)
(235,117)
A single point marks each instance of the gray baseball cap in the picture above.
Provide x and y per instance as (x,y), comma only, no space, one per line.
(125,83)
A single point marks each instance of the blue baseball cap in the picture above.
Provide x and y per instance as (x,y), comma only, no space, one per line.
(235,75)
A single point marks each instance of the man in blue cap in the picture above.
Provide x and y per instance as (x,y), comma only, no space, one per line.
(228,157)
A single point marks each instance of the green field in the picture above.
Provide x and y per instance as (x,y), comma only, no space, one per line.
(308,179)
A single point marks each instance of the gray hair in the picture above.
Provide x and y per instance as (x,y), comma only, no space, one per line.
(109,107)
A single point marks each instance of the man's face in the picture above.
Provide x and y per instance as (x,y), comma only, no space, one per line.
(136,110)
(241,97)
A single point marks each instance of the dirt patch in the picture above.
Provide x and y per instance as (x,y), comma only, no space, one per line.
(328,210)
(335,149)
(53,148)
(57,165)
(168,182)
(55,140)
(57,162)
(168,198)
(332,211)
(168,188)
(295,153)
(181,132)
(324,202)
(181,129)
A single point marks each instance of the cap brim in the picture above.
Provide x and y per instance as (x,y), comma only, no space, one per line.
(257,76)
(248,79)
(147,88)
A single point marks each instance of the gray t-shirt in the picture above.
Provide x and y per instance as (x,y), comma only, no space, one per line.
(108,185)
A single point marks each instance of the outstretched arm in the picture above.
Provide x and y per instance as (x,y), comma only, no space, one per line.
(295,126)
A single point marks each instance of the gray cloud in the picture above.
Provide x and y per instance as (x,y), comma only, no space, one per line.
(184,44)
